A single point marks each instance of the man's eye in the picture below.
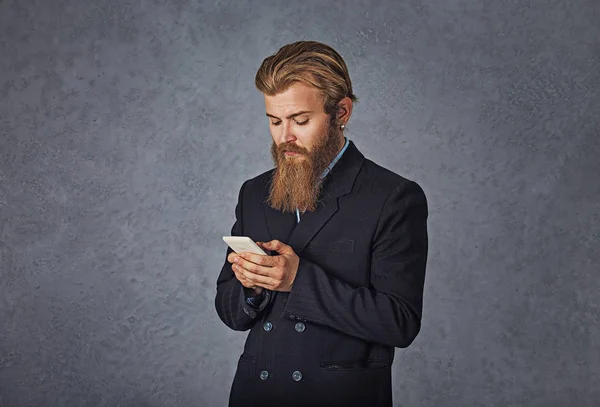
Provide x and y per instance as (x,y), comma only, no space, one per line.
(297,122)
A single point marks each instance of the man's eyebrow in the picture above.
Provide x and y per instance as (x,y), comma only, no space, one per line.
(292,115)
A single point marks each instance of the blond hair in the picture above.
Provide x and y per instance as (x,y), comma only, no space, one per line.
(312,63)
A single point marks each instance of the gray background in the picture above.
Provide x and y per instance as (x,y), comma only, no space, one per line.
(127,128)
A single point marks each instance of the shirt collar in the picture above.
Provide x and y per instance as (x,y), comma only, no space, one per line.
(329,167)
(336,159)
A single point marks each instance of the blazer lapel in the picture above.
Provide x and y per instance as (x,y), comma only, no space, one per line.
(312,222)
(336,184)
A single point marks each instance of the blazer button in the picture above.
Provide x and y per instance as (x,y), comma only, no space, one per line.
(267,326)
(300,327)
(297,376)
(264,375)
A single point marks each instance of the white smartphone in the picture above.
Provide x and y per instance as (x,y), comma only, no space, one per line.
(241,244)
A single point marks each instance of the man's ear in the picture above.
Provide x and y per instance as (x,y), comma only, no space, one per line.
(344,110)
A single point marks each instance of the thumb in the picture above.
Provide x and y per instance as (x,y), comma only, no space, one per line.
(276,245)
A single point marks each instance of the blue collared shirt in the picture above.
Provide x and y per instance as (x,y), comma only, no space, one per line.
(329,167)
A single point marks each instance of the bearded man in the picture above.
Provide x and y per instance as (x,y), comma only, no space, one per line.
(342,284)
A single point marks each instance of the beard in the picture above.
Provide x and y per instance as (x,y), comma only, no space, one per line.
(297,181)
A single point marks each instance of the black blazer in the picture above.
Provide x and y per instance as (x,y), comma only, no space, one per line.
(357,294)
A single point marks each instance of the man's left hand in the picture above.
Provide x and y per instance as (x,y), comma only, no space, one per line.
(276,273)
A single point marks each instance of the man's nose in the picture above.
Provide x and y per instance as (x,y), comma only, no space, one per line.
(287,134)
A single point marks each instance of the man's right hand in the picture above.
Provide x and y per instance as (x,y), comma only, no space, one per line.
(245,282)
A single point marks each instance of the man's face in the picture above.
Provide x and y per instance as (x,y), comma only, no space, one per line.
(304,143)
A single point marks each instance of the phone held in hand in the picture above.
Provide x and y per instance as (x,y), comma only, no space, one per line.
(241,244)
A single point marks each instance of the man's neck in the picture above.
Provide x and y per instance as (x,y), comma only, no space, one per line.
(341,145)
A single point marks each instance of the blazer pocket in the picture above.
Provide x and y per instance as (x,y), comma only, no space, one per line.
(358,365)
(333,246)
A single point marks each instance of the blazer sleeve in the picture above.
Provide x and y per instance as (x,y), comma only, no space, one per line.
(387,312)
(231,299)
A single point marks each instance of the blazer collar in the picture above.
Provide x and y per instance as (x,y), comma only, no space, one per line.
(337,183)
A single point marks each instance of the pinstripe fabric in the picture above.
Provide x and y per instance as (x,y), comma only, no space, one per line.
(356,297)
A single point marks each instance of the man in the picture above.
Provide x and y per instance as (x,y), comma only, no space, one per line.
(342,285)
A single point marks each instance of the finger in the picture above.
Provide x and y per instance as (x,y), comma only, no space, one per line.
(240,275)
(261,260)
(277,246)
(262,245)
(248,284)
(244,274)
(257,279)
(244,281)
(254,268)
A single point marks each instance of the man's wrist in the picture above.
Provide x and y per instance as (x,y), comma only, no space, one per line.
(256,300)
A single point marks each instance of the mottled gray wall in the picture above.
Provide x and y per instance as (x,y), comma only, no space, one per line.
(127,128)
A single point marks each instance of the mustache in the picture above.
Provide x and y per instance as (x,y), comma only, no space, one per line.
(292,148)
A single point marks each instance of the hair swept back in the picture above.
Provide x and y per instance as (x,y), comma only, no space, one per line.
(312,63)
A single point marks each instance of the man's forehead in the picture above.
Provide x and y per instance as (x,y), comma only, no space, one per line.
(297,98)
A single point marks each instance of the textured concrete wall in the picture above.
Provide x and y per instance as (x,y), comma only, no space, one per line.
(127,128)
